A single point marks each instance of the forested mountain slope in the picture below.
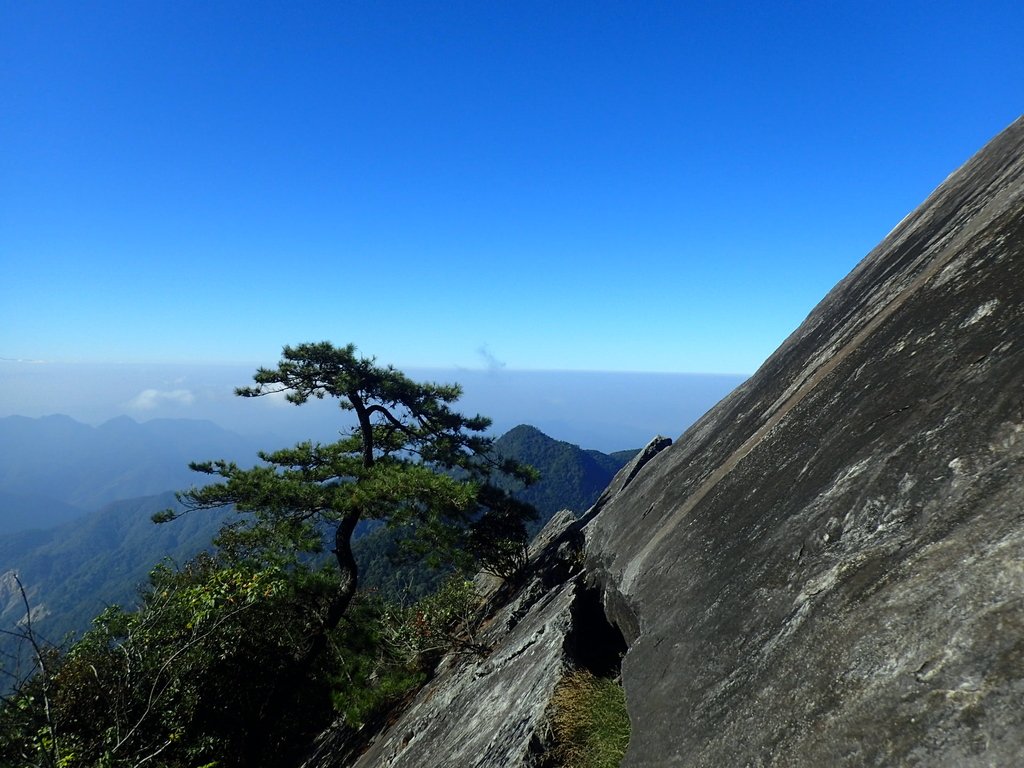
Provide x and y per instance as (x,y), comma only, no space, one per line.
(570,477)
(73,570)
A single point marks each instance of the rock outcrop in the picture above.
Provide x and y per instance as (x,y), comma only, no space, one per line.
(828,568)
(490,708)
(489,705)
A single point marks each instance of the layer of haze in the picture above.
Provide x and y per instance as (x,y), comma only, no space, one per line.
(607,186)
(606,411)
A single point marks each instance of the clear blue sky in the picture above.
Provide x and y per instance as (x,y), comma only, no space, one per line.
(550,185)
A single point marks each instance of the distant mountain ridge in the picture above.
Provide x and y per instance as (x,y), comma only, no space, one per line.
(24,512)
(571,477)
(54,466)
(73,569)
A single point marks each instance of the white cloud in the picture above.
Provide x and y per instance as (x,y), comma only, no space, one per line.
(277,398)
(148,399)
(492,363)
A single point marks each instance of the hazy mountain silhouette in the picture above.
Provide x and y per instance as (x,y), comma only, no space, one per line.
(53,466)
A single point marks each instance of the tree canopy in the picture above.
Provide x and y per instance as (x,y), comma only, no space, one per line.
(409,460)
(241,657)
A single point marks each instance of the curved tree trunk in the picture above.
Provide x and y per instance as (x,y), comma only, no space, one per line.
(349,571)
(348,581)
(288,690)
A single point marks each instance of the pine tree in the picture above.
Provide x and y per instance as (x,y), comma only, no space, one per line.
(409,460)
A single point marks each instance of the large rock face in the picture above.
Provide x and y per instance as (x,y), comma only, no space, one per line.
(825,570)
(828,568)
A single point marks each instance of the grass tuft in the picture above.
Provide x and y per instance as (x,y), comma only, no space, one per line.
(590,723)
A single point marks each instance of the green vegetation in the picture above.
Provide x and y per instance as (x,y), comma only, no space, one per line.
(571,478)
(589,721)
(76,569)
(410,460)
(192,676)
(243,655)
(73,571)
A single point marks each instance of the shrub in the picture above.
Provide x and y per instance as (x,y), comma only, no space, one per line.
(387,651)
(181,681)
(212,668)
(436,624)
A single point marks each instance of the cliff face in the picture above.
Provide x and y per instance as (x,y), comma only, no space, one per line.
(489,707)
(828,568)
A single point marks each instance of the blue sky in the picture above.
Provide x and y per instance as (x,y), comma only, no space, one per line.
(585,186)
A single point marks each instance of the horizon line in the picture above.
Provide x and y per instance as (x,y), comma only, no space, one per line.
(454,367)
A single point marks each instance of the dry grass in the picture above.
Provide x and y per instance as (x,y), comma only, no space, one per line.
(589,721)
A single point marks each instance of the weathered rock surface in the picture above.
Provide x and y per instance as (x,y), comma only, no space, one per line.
(828,568)
(825,570)
(484,711)
(491,708)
